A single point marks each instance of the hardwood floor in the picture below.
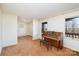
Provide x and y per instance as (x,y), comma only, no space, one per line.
(28,47)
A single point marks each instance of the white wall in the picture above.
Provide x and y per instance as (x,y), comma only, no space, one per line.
(36,29)
(0,32)
(58,24)
(22,28)
(9,29)
(30,28)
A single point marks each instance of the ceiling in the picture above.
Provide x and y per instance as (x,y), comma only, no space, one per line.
(38,10)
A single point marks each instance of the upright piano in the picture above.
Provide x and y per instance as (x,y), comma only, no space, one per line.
(55,38)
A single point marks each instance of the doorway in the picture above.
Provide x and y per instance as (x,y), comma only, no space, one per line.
(44,26)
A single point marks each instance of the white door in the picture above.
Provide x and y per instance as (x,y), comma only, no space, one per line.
(9,29)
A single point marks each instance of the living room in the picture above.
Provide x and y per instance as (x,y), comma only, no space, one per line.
(22,28)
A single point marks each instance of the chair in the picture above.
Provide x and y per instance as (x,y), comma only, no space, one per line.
(47,44)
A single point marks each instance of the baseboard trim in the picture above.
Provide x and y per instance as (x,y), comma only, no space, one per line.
(71,48)
(0,50)
(24,36)
(12,44)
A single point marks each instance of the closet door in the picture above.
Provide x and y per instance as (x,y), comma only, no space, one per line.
(9,29)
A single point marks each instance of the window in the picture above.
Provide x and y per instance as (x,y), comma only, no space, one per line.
(72,27)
